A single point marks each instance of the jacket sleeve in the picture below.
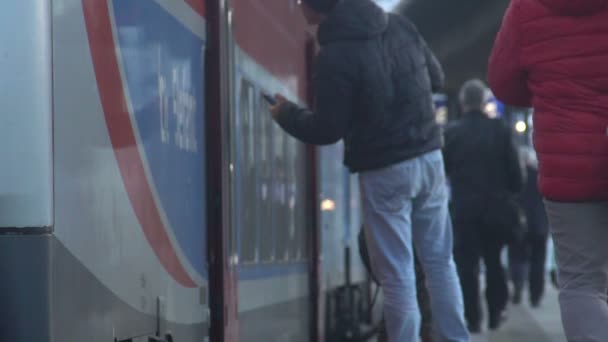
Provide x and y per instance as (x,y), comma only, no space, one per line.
(447,149)
(333,89)
(506,76)
(435,70)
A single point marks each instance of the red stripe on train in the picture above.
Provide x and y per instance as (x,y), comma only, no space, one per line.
(198,6)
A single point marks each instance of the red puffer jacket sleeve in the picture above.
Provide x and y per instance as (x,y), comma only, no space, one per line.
(506,76)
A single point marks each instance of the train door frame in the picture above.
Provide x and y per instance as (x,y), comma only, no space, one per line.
(314,204)
(317,321)
(220,104)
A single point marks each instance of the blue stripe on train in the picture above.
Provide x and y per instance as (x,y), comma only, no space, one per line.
(163,65)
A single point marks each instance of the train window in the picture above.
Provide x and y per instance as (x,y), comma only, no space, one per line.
(292,156)
(355,204)
(247,175)
(302,220)
(265,218)
(279,193)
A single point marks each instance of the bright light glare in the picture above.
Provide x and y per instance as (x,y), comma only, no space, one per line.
(491,110)
(388,5)
(520,126)
(441,115)
(328,205)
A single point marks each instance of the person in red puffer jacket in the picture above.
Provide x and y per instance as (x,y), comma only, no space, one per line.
(553,55)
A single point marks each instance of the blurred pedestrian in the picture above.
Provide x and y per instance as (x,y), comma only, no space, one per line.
(527,256)
(485,174)
(551,55)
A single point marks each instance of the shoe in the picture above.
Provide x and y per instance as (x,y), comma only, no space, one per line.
(535,302)
(517,296)
(474,328)
(382,336)
(426,335)
(554,278)
(496,320)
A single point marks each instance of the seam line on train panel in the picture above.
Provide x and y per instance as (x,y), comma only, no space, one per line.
(26,230)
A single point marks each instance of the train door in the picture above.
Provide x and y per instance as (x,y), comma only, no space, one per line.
(222,239)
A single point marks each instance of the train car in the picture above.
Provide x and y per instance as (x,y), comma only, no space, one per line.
(146,194)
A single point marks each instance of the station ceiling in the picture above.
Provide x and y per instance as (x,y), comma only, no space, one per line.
(460,32)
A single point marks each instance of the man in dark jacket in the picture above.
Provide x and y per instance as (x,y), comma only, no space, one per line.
(373,85)
(483,167)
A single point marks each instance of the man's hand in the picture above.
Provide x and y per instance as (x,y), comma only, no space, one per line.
(276,109)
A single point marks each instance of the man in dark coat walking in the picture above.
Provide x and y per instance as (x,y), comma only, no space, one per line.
(483,168)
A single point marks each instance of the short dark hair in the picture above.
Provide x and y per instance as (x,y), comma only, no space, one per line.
(321,6)
(473,94)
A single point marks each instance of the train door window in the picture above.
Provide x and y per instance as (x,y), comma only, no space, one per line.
(280,194)
(264,134)
(247,176)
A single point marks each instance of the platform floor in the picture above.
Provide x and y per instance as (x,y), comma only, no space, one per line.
(527,324)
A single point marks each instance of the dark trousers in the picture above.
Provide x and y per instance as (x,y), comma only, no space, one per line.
(474,243)
(527,263)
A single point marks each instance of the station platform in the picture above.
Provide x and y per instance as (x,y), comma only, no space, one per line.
(525,323)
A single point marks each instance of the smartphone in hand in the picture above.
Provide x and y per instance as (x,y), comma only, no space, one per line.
(270,99)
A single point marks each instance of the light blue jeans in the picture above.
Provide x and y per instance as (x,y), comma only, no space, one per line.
(405,203)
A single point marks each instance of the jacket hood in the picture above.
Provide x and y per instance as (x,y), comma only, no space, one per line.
(575,7)
(353,20)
